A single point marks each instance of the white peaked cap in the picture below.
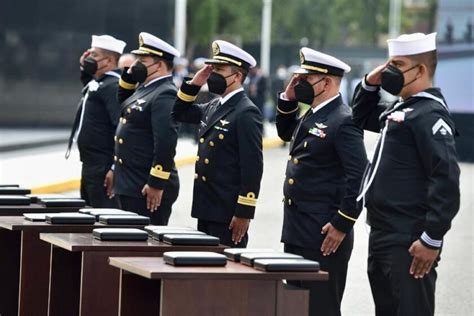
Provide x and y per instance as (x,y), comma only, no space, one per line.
(151,45)
(108,42)
(411,44)
(227,53)
(312,61)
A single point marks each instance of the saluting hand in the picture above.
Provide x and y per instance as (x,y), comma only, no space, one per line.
(239,227)
(423,259)
(290,88)
(333,239)
(153,197)
(108,181)
(84,56)
(200,78)
(374,78)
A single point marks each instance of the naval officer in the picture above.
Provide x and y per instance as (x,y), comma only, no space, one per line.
(229,163)
(325,166)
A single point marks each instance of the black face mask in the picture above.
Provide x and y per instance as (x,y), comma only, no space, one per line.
(304,91)
(393,80)
(139,72)
(89,66)
(217,83)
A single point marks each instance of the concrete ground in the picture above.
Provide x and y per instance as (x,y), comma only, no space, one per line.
(454,295)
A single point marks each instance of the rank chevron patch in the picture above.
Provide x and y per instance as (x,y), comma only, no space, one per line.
(442,127)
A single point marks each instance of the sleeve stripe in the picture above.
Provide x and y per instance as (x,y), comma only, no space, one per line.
(186,97)
(289,112)
(346,216)
(126,85)
(248,200)
(158,172)
(432,242)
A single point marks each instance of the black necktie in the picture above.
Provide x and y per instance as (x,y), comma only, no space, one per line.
(212,110)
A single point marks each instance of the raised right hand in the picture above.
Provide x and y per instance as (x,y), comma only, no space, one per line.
(200,78)
(290,88)
(84,56)
(374,78)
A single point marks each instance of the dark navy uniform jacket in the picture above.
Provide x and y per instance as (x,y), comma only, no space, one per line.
(101,116)
(146,138)
(229,165)
(416,184)
(324,170)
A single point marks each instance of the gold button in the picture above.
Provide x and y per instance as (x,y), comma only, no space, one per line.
(203,178)
(115,158)
(115,138)
(197,158)
(289,201)
(211,143)
(124,120)
(221,136)
(195,176)
(295,161)
(305,144)
(206,161)
(291,181)
(129,110)
(120,141)
(201,140)
(289,158)
(120,161)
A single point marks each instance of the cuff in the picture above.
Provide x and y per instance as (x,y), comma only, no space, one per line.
(126,81)
(246,205)
(286,106)
(188,92)
(158,178)
(368,87)
(343,222)
(428,242)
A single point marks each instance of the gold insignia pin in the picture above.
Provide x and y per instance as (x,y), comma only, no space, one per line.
(215,49)
(320,125)
(224,122)
(301,57)
(140,40)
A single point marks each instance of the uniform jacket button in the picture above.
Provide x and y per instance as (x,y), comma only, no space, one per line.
(289,158)
(195,176)
(204,178)
(291,181)
(120,161)
(120,141)
(206,161)
(295,161)
(129,110)
(197,158)
(211,143)
(221,136)
(201,140)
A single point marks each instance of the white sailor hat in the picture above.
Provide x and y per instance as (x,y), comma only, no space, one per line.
(411,44)
(152,45)
(314,62)
(226,53)
(108,42)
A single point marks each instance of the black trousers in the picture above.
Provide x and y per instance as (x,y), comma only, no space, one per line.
(325,296)
(395,291)
(92,186)
(138,205)
(222,231)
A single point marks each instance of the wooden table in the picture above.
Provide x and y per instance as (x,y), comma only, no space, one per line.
(81,280)
(15,210)
(24,264)
(235,289)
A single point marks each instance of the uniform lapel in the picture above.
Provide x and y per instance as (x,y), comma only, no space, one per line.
(313,118)
(141,92)
(222,111)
